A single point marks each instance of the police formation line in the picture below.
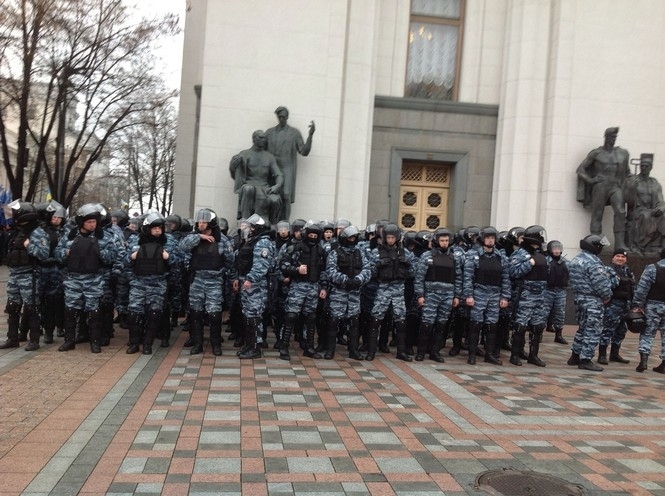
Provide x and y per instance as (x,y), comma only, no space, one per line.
(320,283)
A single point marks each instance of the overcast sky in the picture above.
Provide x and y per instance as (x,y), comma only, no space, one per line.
(170,52)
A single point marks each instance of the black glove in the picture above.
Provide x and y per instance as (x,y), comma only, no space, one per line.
(352,284)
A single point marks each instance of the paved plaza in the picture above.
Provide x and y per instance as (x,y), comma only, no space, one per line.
(176,424)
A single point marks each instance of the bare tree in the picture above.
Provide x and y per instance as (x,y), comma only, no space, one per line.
(72,74)
(145,154)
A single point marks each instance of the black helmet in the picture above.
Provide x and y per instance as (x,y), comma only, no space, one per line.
(57,210)
(635,321)
(409,239)
(104,215)
(345,237)
(42,212)
(459,236)
(514,235)
(121,218)
(312,227)
(534,235)
(283,225)
(489,231)
(441,232)
(370,230)
(502,240)
(470,234)
(341,223)
(297,225)
(593,243)
(186,226)
(153,219)
(176,220)
(423,239)
(327,225)
(88,211)
(206,215)
(553,245)
(223,225)
(392,229)
(22,212)
(257,224)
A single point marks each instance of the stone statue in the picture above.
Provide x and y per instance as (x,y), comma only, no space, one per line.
(285,142)
(258,180)
(644,197)
(601,178)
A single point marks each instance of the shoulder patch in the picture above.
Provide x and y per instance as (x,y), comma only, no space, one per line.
(264,253)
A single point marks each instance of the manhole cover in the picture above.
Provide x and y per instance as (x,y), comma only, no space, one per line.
(510,482)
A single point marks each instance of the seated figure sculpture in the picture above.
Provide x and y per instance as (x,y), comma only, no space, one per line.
(645,219)
(258,180)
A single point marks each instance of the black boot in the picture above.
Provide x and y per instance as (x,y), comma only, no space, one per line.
(660,368)
(517,345)
(252,347)
(574,359)
(196,331)
(372,338)
(94,326)
(602,354)
(152,330)
(289,323)
(642,366)
(491,348)
(332,338)
(354,339)
(424,338)
(69,327)
(13,319)
(535,337)
(174,319)
(558,337)
(472,338)
(310,324)
(400,338)
(216,333)
(615,356)
(134,323)
(458,331)
(587,364)
(438,339)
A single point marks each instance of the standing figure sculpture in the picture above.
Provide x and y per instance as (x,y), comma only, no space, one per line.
(644,197)
(285,143)
(258,180)
(601,178)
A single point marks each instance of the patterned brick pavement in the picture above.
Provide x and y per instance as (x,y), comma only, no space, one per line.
(171,423)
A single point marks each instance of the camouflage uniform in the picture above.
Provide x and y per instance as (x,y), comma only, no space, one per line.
(650,297)
(207,264)
(438,279)
(556,294)
(84,254)
(53,293)
(23,284)
(392,265)
(487,281)
(592,283)
(255,261)
(304,289)
(348,269)
(148,287)
(531,311)
(614,325)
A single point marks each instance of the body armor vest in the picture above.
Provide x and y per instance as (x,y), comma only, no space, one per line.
(624,291)
(397,268)
(488,272)
(349,264)
(149,261)
(246,256)
(206,257)
(54,237)
(557,276)
(84,256)
(657,291)
(17,255)
(539,271)
(442,268)
(310,256)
